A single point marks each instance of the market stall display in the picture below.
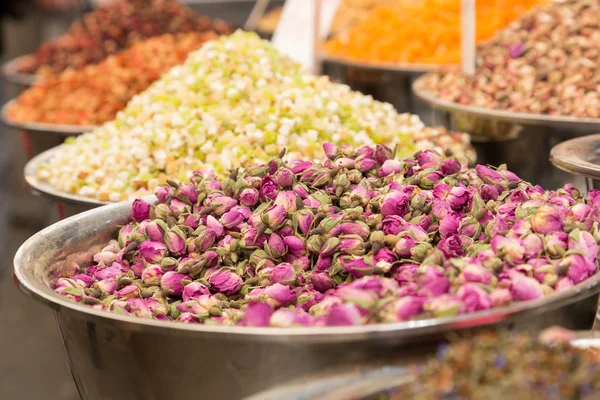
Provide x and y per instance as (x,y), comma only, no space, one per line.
(94,94)
(236,101)
(112,27)
(533,87)
(146,264)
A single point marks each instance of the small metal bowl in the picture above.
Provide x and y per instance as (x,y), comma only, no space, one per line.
(115,356)
(10,73)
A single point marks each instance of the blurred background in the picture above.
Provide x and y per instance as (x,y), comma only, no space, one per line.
(30,346)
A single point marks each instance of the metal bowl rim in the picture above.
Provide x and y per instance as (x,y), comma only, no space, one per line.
(42,127)
(380,66)
(581,291)
(564,156)
(9,71)
(50,191)
(508,116)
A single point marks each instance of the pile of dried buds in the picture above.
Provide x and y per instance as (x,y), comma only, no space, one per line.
(490,365)
(112,27)
(357,238)
(547,62)
(234,102)
(94,94)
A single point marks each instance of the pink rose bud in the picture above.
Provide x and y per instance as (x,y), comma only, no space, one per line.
(112,272)
(474,297)
(205,240)
(154,231)
(173,282)
(395,203)
(359,266)
(404,245)
(105,257)
(274,216)
(251,238)
(175,242)
(200,306)
(323,263)
(450,166)
(383,153)
(301,190)
(284,273)
(232,219)
(268,188)
(305,219)
(152,274)
(354,228)
(188,318)
(107,286)
(276,247)
(489,192)
(533,245)
(331,150)
(451,246)
(212,223)
(488,175)
(512,249)
(393,225)
(524,288)
(188,191)
(281,295)
(475,273)
(365,300)
(579,268)
(546,220)
(321,281)
(563,283)
(213,185)
(225,281)
(556,243)
(153,252)
(256,314)
(408,307)
(352,244)
(125,234)
(428,159)
(140,210)
(287,199)
(458,197)
(449,225)
(444,306)
(295,246)
(286,318)
(284,178)
(301,263)
(390,167)
(128,292)
(249,197)
(192,220)
(343,315)
(365,164)
(584,242)
(194,290)
(83,280)
(220,204)
(178,206)
(165,193)
(500,297)
(137,266)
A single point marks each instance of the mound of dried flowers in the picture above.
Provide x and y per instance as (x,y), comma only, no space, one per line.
(112,27)
(357,238)
(490,366)
(547,62)
(234,102)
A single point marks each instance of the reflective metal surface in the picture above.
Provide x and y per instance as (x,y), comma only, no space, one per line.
(385,82)
(580,157)
(502,137)
(10,73)
(366,381)
(122,357)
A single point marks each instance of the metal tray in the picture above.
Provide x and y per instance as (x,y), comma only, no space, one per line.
(581,157)
(234,362)
(10,73)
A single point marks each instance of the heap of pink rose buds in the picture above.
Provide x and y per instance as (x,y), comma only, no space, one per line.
(357,238)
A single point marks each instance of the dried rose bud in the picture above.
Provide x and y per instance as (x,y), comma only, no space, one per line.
(165,193)
(155,231)
(358,266)
(188,192)
(390,167)
(279,295)
(194,290)
(407,307)
(524,288)
(284,178)
(268,188)
(152,274)
(107,286)
(188,318)
(112,272)
(274,216)
(128,292)
(249,197)
(256,314)
(284,273)
(546,220)
(140,210)
(286,318)
(105,258)
(172,283)
(395,203)
(224,281)
(153,252)
(343,315)
(474,298)
(175,241)
(578,267)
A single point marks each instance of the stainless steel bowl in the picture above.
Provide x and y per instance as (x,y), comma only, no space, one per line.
(113,356)
(579,157)
(367,381)
(10,73)
(38,136)
(503,137)
(68,204)
(384,81)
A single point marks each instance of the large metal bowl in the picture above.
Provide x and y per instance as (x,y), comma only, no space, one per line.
(113,356)
(10,73)
(68,204)
(503,137)
(384,81)
(39,136)
(581,157)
